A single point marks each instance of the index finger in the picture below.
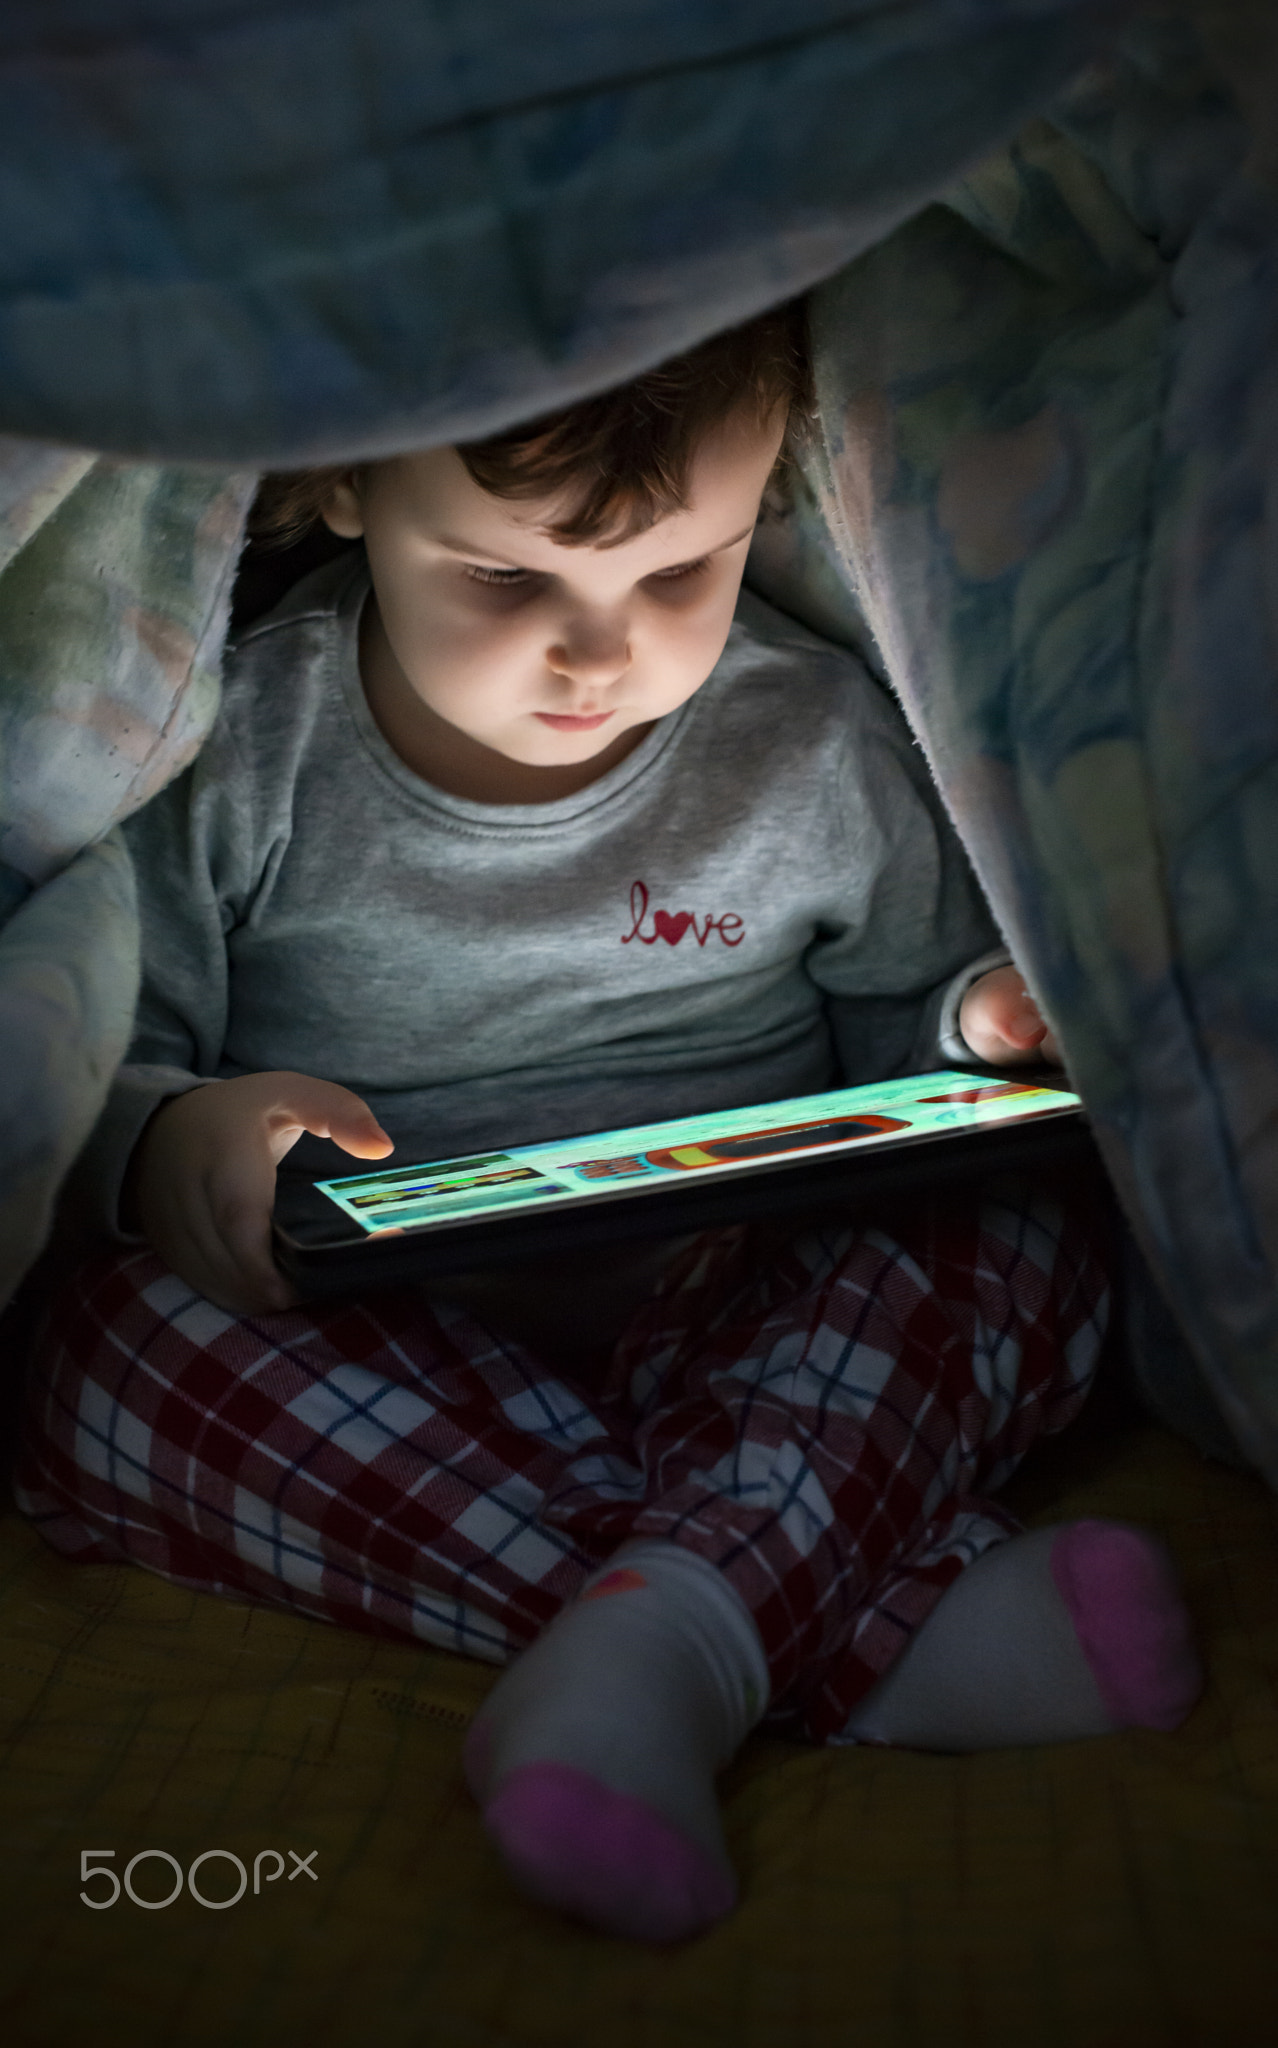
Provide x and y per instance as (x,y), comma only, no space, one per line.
(326,1110)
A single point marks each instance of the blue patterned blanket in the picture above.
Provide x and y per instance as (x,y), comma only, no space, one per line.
(1042,494)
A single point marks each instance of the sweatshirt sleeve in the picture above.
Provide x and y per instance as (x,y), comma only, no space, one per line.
(913,928)
(193,855)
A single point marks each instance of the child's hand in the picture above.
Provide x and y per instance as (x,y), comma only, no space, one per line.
(1001,1022)
(202,1178)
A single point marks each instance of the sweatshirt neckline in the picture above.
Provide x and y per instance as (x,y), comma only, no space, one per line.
(348,605)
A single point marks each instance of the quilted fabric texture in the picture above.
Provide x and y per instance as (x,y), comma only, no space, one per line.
(114,584)
(1049,410)
(1108,1894)
(267,233)
(1050,433)
(352,225)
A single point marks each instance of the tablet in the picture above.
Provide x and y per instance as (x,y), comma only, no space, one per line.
(495,1207)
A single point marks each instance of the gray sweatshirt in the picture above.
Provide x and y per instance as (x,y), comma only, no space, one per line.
(763,897)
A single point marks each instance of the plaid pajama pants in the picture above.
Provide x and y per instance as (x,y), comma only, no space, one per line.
(819,1415)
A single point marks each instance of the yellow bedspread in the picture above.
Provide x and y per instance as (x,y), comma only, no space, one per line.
(1121,1893)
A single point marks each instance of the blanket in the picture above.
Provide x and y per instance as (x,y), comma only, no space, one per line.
(1040,490)
(1046,460)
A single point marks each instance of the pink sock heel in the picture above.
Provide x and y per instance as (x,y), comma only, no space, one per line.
(575,1844)
(1121,1592)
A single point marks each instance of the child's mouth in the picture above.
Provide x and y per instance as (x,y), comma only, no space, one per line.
(562,721)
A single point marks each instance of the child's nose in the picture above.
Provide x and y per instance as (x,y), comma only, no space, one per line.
(597,654)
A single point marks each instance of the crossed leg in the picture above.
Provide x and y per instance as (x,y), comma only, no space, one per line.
(799,1433)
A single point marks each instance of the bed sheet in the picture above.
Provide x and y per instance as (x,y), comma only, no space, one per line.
(1118,1893)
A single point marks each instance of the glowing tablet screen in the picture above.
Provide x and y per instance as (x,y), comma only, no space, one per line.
(651,1156)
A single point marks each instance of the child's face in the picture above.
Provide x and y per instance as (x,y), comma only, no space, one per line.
(545,654)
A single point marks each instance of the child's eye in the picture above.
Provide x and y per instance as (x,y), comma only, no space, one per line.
(681,569)
(504,577)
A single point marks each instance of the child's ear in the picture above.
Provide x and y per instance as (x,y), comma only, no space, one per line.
(343,509)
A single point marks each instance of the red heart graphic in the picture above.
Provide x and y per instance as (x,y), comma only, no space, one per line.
(671,929)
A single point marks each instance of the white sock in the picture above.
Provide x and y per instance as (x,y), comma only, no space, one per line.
(1059,1633)
(595,1755)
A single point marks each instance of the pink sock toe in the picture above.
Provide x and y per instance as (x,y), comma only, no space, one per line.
(1130,1620)
(575,1844)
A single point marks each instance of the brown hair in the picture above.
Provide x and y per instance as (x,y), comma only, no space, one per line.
(619,462)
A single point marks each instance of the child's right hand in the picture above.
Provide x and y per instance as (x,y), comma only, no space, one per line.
(202,1178)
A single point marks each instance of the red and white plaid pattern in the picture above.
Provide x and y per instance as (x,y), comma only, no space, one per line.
(819,1416)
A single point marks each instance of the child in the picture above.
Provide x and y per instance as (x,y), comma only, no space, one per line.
(508,830)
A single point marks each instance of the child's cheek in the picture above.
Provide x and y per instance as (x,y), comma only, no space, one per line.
(486,658)
(701,639)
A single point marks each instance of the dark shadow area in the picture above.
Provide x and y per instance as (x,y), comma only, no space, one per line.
(267,572)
